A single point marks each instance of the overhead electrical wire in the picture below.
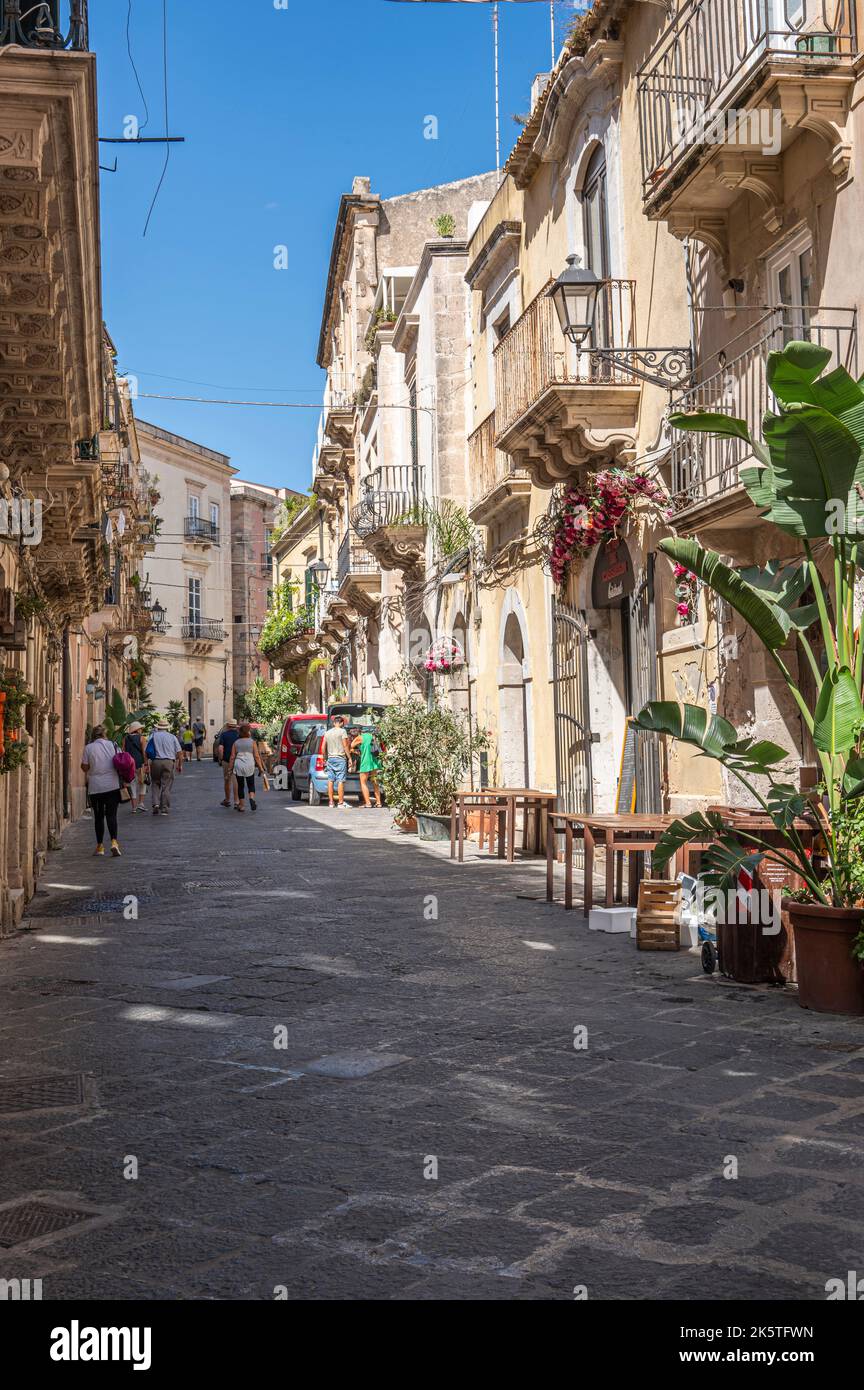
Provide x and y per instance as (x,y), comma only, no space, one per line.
(165,82)
(134,69)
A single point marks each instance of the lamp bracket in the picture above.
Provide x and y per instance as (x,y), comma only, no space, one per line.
(668,367)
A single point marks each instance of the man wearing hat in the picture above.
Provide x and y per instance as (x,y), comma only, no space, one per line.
(133,744)
(224,748)
(165,756)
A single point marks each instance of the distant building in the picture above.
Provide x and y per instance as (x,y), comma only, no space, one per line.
(190,575)
(254,511)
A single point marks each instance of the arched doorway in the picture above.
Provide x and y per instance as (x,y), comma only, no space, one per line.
(196,703)
(513,711)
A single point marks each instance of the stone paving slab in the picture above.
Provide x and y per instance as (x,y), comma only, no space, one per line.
(299,1081)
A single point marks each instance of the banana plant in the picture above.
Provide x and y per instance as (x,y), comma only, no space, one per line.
(808,480)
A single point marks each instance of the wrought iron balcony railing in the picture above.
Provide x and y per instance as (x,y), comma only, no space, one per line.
(392,496)
(705,467)
(713,51)
(47,25)
(354,558)
(203,629)
(535,355)
(196,528)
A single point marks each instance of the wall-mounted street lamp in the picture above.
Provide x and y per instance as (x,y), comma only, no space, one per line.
(575,294)
(319,571)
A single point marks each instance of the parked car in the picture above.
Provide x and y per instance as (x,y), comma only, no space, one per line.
(363,715)
(309,774)
(295,731)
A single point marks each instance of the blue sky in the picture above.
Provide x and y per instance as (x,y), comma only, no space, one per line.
(280,109)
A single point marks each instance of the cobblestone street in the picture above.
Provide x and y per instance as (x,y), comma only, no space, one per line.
(428,1130)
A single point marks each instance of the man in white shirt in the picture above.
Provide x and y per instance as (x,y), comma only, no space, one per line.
(167,755)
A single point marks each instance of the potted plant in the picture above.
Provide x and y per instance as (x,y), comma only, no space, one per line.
(808,480)
(445,225)
(427,752)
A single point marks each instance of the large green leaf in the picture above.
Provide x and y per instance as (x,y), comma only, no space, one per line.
(709,422)
(770,624)
(838,714)
(689,723)
(813,454)
(792,371)
(697,826)
(837,392)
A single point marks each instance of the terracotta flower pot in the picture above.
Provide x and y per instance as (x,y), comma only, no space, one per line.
(830,979)
(407,825)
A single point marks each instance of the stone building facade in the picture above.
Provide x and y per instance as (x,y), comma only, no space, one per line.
(75,515)
(254,509)
(190,575)
(453,396)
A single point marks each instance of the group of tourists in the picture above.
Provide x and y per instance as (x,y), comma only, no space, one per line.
(116,774)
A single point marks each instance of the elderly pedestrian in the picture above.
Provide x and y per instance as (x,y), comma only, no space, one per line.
(166,759)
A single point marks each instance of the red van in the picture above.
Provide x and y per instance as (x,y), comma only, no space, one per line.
(295,731)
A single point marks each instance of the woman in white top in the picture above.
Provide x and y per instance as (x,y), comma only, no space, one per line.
(103,787)
(245,758)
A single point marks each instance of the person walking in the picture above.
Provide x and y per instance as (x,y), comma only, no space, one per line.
(166,759)
(369,748)
(188,741)
(199,729)
(338,751)
(245,758)
(133,744)
(224,749)
(103,788)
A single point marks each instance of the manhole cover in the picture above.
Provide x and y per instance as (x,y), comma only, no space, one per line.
(29,1220)
(40,1093)
(251,853)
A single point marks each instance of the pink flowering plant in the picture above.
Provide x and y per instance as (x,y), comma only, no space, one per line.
(686,594)
(443,656)
(589,514)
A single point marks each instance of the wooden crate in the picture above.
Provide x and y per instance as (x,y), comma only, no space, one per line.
(656,927)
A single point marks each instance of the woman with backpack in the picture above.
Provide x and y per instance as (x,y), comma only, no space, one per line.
(103,787)
(133,744)
(370,765)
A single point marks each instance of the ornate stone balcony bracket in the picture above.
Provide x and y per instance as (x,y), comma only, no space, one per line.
(574,427)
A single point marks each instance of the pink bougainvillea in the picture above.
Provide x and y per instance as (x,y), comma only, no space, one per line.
(686,594)
(591,514)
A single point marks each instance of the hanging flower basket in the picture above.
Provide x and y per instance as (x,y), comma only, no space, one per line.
(444,656)
(584,517)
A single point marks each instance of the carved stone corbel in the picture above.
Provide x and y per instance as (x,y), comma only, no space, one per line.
(709,228)
(760,175)
(821,106)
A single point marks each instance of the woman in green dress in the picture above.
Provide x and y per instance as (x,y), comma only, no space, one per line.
(370,764)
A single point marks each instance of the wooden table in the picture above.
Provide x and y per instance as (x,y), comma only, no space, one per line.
(629,833)
(502,805)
